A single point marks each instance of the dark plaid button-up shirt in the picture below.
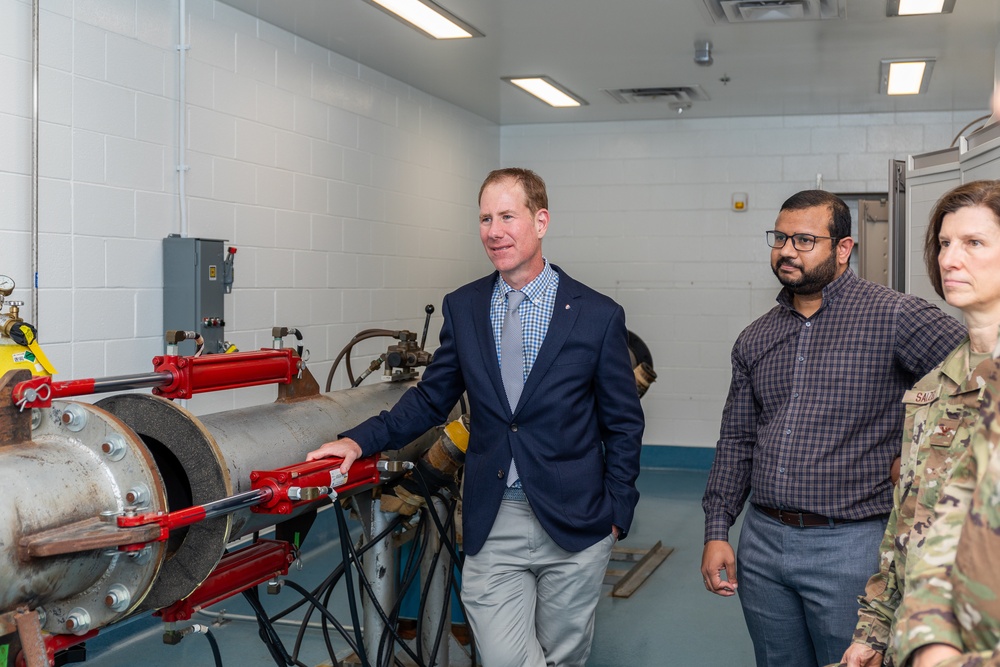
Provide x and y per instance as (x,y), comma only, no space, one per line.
(813,418)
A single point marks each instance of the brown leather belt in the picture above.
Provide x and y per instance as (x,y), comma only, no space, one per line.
(799,519)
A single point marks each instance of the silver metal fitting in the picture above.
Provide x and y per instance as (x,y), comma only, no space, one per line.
(138,495)
(73,417)
(78,621)
(114,447)
(118,597)
(307,492)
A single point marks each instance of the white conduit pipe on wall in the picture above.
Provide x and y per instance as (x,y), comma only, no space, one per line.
(182,168)
(35,66)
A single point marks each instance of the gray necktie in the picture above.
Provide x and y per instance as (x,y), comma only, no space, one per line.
(512,350)
(512,360)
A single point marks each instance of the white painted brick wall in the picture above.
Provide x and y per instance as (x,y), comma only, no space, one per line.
(276,154)
(641,212)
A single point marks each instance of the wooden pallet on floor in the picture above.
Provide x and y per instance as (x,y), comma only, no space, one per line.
(626,581)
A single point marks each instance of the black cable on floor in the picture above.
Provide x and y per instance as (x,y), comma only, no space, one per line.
(429,508)
(407,576)
(445,612)
(216,654)
(267,632)
(330,582)
(322,609)
(328,585)
(352,557)
(345,547)
(450,544)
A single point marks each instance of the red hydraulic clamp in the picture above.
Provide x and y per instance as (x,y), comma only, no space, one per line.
(172,377)
(215,372)
(236,572)
(303,483)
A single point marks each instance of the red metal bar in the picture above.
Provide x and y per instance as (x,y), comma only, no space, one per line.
(319,474)
(168,521)
(235,573)
(38,392)
(216,372)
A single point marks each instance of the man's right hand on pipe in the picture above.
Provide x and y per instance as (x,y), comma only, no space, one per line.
(344,448)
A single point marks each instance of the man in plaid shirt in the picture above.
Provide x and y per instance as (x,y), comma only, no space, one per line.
(811,427)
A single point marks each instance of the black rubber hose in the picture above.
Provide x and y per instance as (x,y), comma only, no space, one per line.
(358,337)
(215,647)
(322,609)
(267,632)
(371,596)
(345,546)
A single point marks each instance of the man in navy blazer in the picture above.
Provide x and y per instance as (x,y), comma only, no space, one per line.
(549,482)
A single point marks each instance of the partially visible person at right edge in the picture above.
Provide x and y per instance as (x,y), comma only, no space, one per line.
(950,613)
(812,425)
(942,409)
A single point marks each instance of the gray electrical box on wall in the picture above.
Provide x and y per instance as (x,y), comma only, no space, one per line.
(194,284)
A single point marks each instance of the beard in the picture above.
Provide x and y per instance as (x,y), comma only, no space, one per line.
(810,282)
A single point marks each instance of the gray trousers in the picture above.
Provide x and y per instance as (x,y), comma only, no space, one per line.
(529,602)
(799,587)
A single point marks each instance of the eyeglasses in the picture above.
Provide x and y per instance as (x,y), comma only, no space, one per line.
(801,242)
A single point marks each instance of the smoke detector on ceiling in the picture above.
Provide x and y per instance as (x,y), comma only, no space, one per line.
(703,52)
(755,11)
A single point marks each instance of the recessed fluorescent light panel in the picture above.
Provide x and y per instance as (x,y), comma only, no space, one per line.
(427,17)
(917,7)
(909,76)
(547,91)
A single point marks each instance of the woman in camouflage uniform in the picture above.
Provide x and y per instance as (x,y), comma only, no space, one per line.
(950,613)
(942,410)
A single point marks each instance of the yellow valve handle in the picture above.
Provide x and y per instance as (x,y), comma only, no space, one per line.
(42,359)
(28,332)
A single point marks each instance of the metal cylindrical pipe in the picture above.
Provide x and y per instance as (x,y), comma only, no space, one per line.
(380,569)
(434,580)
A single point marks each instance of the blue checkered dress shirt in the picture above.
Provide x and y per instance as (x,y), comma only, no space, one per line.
(535,311)
(814,416)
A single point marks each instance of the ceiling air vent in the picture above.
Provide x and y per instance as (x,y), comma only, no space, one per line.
(755,11)
(670,94)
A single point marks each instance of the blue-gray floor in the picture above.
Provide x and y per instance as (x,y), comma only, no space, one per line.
(670,620)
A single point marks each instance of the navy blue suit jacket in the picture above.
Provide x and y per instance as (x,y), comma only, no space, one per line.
(576,432)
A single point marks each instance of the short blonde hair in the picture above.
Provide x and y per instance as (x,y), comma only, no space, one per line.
(536,198)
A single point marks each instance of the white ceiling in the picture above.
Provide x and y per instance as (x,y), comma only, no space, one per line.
(775,68)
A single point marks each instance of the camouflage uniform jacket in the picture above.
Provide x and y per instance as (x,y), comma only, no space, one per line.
(939,410)
(954,592)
